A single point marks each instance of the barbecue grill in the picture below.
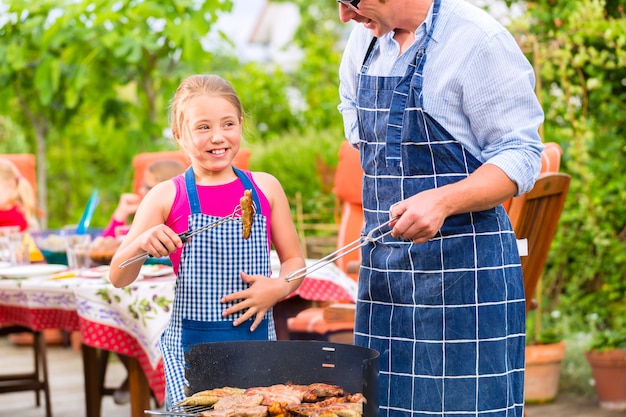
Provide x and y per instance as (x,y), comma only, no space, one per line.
(247,364)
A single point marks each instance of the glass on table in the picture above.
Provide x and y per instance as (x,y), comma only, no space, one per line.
(19,248)
(78,249)
(8,230)
(5,250)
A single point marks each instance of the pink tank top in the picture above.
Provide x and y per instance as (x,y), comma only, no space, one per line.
(215,200)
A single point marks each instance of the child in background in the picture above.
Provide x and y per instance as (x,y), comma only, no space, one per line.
(155,173)
(17,199)
(223,289)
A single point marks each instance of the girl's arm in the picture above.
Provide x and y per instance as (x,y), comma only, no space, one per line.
(148,233)
(265,292)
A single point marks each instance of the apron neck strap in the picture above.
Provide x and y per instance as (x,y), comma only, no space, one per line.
(420,51)
(247,184)
(192,191)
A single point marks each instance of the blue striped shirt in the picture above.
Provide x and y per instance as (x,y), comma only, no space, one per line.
(477,84)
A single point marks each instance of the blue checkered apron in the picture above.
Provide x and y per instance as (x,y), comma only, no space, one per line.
(209,269)
(447,316)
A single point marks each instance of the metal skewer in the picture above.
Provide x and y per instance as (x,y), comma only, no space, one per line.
(235,215)
(343,251)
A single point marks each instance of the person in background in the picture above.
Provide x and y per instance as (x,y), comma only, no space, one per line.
(223,289)
(155,173)
(18,209)
(439,99)
(17,199)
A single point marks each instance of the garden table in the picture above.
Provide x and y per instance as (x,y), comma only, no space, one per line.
(128,321)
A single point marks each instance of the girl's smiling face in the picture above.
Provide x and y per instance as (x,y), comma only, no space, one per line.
(214,127)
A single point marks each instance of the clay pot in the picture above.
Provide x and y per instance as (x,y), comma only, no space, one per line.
(609,373)
(543,372)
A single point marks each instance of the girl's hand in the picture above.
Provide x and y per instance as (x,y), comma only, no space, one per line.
(262,295)
(159,241)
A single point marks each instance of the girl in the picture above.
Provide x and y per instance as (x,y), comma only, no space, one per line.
(223,291)
(17,200)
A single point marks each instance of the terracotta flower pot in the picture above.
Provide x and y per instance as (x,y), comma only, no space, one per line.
(543,372)
(609,373)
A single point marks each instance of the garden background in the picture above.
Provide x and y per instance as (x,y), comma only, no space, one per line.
(85,86)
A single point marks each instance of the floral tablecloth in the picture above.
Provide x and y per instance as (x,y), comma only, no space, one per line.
(142,309)
(38,304)
(127,320)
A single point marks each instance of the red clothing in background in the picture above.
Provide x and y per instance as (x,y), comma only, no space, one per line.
(13,217)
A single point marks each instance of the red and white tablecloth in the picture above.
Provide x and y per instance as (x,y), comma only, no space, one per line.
(125,320)
(128,320)
(328,283)
(38,304)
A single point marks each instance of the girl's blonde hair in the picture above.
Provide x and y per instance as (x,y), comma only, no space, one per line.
(190,88)
(24,196)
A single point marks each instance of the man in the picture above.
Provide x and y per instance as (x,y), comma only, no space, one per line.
(440,101)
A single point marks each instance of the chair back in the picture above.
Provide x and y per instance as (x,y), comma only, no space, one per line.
(347,187)
(550,162)
(535,216)
(551,157)
(143,160)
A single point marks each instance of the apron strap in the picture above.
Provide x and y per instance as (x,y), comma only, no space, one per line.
(370,48)
(247,184)
(192,191)
(412,76)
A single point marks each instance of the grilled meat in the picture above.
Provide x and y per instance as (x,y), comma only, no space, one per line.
(281,400)
(252,411)
(247,213)
(211,396)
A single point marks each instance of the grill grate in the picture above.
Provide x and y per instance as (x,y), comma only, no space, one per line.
(182,410)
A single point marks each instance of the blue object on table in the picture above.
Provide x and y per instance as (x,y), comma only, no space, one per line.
(88,213)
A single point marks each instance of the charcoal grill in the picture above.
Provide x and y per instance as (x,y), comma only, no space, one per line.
(247,364)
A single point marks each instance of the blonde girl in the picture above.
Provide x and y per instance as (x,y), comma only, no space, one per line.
(17,199)
(223,289)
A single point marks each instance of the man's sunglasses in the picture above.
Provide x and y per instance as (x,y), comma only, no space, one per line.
(352,4)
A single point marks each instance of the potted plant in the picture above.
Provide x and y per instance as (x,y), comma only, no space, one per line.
(606,355)
(545,350)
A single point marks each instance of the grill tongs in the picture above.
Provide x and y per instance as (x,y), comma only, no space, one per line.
(343,251)
(236,214)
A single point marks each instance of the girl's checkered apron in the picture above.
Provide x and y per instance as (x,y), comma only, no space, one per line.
(209,269)
(447,316)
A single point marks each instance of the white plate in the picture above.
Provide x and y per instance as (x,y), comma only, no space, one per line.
(26,271)
(149,271)
(96,272)
(4,264)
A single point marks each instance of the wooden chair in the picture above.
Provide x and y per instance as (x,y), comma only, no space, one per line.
(35,380)
(550,162)
(535,216)
(347,187)
(335,322)
(143,160)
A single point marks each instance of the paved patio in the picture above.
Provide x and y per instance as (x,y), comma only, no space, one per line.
(66,383)
(68,398)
